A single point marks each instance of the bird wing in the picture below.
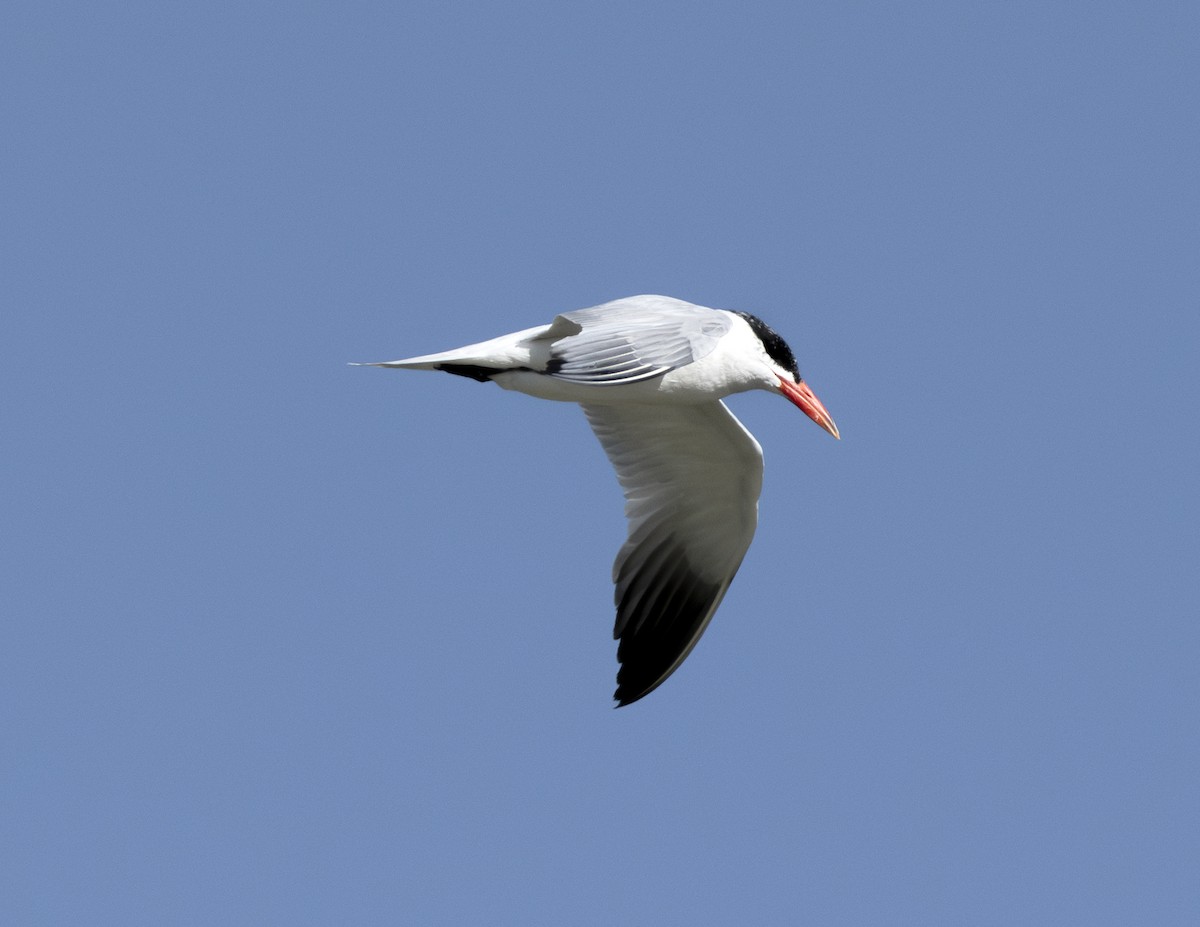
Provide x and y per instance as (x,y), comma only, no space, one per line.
(632,339)
(691,475)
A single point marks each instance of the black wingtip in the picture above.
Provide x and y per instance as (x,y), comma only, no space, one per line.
(630,691)
(623,698)
(658,628)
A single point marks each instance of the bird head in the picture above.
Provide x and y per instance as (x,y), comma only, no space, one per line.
(784,377)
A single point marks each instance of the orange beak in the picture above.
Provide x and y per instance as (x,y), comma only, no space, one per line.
(802,396)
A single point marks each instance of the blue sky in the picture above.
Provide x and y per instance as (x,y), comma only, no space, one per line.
(291,642)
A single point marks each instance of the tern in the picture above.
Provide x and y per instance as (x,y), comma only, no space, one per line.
(650,373)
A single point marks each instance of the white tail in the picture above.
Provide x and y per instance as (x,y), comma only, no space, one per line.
(504,353)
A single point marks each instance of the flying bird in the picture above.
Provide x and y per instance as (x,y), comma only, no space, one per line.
(650,373)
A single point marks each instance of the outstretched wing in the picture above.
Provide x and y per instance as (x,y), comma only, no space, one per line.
(632,339)
(691,476)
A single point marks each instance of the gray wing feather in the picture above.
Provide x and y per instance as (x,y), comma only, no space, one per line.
(632,339)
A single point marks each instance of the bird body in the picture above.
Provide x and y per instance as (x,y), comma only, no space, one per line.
(649,373)
(690,354)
